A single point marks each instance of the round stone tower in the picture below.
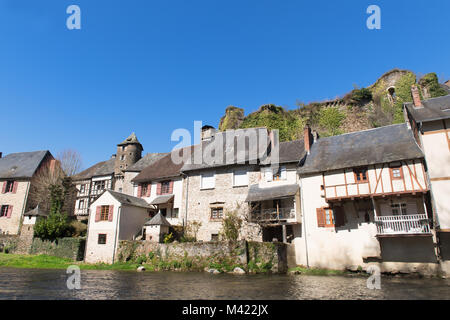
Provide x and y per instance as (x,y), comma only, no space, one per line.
(128,153)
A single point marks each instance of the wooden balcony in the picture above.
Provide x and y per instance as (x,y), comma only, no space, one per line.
(413,224)
(272,215)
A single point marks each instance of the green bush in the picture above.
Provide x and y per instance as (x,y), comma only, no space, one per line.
(331,119)
(361,95)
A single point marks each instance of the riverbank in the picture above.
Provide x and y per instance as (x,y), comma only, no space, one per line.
(50,262)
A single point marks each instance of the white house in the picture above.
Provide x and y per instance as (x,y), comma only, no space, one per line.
(113,217)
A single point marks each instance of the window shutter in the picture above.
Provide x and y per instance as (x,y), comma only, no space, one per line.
(10,208)
(111,213)
(4,187)
(149,188)
(339,215)
(98,211)
(139,191)
(171,187)
(320,217)
(15,187)
(158,189)
(283,173)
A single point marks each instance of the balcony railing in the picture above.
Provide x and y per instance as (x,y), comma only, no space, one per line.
(272,214)
(82,212)
(404,224)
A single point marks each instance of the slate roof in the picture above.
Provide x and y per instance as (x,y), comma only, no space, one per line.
(99,169)
(127,199)
(256,193)
(380,145)
(145,161)
(158,219)
(162,199)
(162,168)
(21,164)
(230,152)
(36,212)
(132,139)
(292,151)
(433,109)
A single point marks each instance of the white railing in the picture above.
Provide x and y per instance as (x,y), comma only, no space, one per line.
(404,224)
(82,212)
(273,214)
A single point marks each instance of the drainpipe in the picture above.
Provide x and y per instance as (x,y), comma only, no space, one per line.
(24,207)
(304,222)
(186,202)
(116,235)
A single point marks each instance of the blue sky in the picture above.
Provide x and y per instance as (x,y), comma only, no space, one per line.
(155,66)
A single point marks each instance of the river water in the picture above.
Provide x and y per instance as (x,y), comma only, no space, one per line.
(97,284)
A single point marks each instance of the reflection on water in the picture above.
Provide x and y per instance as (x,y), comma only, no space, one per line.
(95,284)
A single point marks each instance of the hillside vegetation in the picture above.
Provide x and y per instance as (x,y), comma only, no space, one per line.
(362,108)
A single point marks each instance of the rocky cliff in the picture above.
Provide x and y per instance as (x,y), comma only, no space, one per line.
(362,108)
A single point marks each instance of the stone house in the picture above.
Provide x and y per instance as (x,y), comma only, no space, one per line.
(365,198)
(16,175)
(430,122)
(263,192)
(113,216)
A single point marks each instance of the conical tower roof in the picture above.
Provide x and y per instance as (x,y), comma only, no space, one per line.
(132,139)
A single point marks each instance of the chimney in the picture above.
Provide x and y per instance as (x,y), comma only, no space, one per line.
(416,96)
(113,156)
(308,138)
(208,132)
(1,153)
(315,136)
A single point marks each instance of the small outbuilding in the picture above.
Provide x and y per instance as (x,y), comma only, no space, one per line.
(155,228)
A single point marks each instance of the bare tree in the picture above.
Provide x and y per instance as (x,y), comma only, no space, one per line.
(70,161)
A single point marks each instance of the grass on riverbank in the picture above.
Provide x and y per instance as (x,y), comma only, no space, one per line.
(43,261)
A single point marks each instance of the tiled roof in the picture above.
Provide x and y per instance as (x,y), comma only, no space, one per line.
(433,109)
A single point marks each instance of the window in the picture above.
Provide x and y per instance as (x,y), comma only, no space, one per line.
(82,188)
(100,185)
(398,209)
(279,174)
(214,237)
(175,212)
(208,181)
(330,217)
(396,173)
(101,238)
(165,187)
(360,175)
(104,213)
(216,213)
(275,174)
(9,186)
(240,178)
(122,157)
(144,190)
(4,211)
(81,204)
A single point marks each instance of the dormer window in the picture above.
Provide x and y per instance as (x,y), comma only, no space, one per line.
(9,186)
(360,175)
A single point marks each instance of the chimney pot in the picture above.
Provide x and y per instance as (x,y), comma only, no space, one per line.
(416,96)
(308,139)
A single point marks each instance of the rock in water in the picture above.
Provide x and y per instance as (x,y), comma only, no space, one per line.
(140,268)
(238,270)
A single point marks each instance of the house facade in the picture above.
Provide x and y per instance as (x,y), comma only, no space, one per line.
(366,199)
(114,216)
(430,121)
(16,176)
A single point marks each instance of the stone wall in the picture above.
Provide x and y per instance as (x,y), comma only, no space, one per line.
(69,248)
(8,243)
(254,257)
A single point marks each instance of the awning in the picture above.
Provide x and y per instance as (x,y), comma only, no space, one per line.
(255,193)
(162,199)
